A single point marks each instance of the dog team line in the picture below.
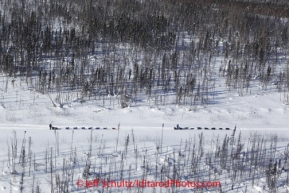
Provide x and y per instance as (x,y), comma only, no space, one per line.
(146,183)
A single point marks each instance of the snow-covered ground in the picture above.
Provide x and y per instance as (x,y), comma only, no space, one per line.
(141,148)
(261,109)
(139,142)
(148,150)
(146,146)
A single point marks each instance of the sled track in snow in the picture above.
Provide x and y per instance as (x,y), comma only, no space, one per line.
(88,128)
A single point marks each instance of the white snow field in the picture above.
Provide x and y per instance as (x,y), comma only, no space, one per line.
(22,105)
(57,161)
(151,154)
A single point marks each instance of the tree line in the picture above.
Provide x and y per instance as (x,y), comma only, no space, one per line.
(155,49)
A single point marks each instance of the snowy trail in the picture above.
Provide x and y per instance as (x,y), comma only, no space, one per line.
(23,126)
(62,127)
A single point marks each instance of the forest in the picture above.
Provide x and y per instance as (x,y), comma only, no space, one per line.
(163,52)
